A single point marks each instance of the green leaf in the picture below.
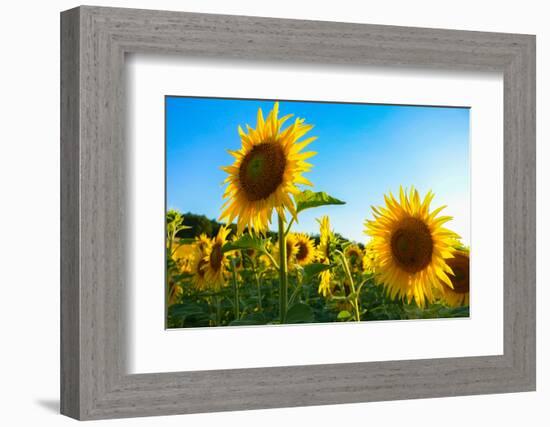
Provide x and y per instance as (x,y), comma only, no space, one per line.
(184,309)
(308,199)
(312,270)
(343,315)
(299,313)
(182,276)
(246,241)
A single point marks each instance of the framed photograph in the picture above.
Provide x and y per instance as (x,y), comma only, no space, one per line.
(261,213)
(279,263)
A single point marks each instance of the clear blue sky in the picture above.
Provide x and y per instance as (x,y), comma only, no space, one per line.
(363,151)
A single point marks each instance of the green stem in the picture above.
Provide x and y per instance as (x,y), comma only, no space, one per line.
(283,279)
(355,302)
(289,225)
(272,260)
(235,288)
(257,279)
(259,286)
(218,310)
(296,290)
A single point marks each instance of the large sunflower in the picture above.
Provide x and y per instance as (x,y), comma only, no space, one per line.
(460,293)
(265,171)
(216,261)
(305,253)
(323,255)
(411,246)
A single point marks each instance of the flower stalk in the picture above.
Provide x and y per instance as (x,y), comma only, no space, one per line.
(218,310)
(355,299)
(259,289)
(235,288)
(283,274)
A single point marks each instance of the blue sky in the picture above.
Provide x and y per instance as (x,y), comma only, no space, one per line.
(363,151)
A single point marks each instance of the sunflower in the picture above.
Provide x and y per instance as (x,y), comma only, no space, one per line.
(183,256)
(323,255)
(291,249)
(460,293)
(176,291)
(215,259)
(323,250)
(202,242)
(369,259)
(265,171)
(411,246)
(198,263)
(305,253)
(354,254)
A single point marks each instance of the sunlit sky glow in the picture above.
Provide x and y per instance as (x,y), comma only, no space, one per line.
(363,151)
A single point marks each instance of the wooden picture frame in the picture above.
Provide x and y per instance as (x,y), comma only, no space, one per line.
(94,382)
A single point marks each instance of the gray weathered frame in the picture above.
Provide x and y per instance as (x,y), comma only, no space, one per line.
(94,41)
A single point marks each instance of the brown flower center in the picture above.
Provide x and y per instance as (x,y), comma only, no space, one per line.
(216,257)
(460,265)
(262,170)
(412,245)
(303,251)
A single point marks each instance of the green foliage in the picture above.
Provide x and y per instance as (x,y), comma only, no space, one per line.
(251,319)
(312,270)
(188,314)
(246,241)
(308,199)
(436,311)
(300,313)
(198,224)
(344,315)
(258,287)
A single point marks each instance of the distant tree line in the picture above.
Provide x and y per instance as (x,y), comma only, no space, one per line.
(201,224)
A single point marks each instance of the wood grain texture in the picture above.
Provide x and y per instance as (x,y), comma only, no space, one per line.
(70,314)
(94,382)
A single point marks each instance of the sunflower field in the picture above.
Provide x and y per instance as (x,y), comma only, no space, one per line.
(242,269)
